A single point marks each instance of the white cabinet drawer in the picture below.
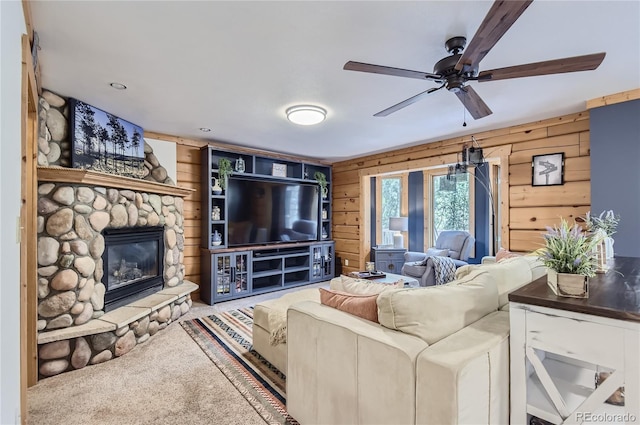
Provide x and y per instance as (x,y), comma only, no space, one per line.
(575,338)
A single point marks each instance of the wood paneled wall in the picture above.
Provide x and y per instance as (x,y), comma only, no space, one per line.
(530,208)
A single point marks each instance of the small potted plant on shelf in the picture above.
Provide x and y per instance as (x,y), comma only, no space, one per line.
(224,171)
(569,257)
(321,178)
(604,226)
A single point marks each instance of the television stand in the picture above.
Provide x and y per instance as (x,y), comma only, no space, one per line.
(241,272)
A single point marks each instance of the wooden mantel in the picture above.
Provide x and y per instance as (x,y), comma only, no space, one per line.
(94,178)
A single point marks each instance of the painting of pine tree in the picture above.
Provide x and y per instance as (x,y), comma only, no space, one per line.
(103,142)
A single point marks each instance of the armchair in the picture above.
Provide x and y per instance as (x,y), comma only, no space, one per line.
(455,244)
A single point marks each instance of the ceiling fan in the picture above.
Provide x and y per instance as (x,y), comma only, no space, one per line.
(453,72)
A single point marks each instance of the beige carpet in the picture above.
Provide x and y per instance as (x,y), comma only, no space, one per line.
(167,379)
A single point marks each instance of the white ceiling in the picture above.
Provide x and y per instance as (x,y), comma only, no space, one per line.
(235,66)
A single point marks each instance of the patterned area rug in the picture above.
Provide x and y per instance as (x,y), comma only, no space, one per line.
(226,340)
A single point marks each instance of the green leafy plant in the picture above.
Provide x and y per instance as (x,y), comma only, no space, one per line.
(569,249)
(321,178)
(606,222)
(224,171)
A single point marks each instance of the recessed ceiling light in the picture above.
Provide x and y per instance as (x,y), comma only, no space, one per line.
(306,114)
(205,129)
(118,86)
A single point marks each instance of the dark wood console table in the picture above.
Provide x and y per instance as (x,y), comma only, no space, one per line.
(615,294)
(559,346)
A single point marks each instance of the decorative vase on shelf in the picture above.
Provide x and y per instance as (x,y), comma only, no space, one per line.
(215,213)
(216,238)
(216,189)
(324,233)
(568,284)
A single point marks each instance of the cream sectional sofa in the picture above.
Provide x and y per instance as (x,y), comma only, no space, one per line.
(440,355)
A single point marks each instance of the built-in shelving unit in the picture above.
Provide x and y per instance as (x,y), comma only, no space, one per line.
(230,271)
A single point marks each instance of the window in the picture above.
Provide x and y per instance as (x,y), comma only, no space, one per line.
(391,198)
(450,205)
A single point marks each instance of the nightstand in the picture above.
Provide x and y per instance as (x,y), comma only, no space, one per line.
(388,259)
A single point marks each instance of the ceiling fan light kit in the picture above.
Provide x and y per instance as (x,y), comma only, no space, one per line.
(456,70)
(306,114)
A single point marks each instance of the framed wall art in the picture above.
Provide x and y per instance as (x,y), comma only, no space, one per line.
(101,141)
(548,170)
(279,170)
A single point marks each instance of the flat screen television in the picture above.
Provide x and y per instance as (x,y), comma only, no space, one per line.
(270,211)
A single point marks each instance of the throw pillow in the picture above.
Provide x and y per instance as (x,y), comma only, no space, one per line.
(363,306)
(433,252)
(442,252)
(503,254)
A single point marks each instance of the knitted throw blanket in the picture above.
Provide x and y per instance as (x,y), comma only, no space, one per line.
(444,269)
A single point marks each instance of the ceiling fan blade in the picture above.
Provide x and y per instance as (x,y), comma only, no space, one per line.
(406,102)
(502,15)
(557,66)
(472,101)
(387,70)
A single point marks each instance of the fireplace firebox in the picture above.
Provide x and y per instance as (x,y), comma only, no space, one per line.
(133,262)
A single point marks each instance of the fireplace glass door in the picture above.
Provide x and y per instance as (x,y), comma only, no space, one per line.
(133,264)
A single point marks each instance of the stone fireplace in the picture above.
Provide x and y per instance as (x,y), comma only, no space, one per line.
(110,252)
(110,265)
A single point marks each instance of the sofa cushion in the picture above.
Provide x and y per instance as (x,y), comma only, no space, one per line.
(436,312)
(354,285)
(509,274)
(363,306)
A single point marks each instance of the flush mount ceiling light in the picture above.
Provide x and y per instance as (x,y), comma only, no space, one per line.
(118,86)
(205,129)
(306,114)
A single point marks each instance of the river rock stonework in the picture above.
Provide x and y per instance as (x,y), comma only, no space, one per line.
(66,355)
(54,139)
(70,245)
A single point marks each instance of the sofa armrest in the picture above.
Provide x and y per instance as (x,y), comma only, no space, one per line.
(464,378)
(344,369)
(488,259)
(414,256)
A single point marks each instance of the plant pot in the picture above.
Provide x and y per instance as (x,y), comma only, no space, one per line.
(568,284)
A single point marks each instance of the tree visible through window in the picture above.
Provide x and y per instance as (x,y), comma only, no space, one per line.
(391,200)
(450,204)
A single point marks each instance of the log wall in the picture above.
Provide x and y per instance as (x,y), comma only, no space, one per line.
(530,208)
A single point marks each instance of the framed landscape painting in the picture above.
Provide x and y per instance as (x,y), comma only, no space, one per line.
(103,142)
